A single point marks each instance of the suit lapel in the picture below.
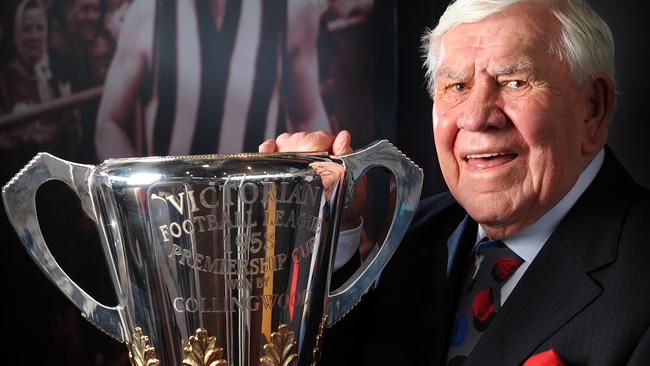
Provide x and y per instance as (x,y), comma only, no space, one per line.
(451,259)
(558,284)
(449,253)
(460,245)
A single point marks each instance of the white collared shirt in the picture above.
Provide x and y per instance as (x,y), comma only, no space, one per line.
(528,242)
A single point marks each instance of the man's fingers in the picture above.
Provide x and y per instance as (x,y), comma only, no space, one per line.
(342,143)
(267,146)
(283,140)
(310,141)
(305,141)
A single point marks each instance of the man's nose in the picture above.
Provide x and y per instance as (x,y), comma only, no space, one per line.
(481,110)
(34,34)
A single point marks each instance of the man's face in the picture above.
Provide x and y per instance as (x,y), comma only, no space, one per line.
(100,58)
(508,118)
(83,18)
(31,35)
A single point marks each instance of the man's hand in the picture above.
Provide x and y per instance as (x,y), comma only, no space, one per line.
(334,145)
(310,141)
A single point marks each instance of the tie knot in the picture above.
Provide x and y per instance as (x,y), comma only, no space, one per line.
(486,244)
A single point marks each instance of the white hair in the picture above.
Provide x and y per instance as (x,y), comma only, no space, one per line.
(586,42)
(22,9)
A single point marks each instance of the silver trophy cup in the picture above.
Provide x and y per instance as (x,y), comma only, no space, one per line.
(217,259)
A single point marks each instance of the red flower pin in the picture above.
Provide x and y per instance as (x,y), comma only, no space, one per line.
(483,309)
(503,268)
(546,358)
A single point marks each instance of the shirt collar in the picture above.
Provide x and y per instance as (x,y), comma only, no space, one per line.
(528,242)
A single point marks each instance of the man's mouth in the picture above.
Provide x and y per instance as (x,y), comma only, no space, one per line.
(33,45)
(488,160)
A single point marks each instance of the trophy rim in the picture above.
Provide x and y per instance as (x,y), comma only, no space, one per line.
(229,156)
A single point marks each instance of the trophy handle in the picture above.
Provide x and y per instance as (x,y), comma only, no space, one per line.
(408,177)
(19,200)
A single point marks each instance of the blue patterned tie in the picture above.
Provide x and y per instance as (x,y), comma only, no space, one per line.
(481,297)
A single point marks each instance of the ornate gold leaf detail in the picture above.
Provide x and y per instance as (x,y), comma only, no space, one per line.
(315,354)
(202,350)
(278,350)
(141,352)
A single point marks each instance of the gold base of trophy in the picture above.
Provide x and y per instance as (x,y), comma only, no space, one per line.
(141,352)
(278,349)
(203,350)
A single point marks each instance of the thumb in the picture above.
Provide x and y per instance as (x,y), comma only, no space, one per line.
(342,143)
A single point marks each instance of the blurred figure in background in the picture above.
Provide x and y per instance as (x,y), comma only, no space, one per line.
(31,78)
(88,48)
(195,77)
(347,60)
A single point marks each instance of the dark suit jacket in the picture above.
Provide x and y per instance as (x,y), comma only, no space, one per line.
(586,294)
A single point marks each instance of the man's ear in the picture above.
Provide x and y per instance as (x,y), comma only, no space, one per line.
(601,94)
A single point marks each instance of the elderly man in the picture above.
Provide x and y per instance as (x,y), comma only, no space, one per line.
(537,255)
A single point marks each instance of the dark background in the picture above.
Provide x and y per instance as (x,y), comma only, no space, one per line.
(42,327)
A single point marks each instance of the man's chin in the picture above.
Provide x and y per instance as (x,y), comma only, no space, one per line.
(496,220)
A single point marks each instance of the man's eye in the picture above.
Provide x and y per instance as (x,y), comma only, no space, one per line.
(459,87)
(515,84)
